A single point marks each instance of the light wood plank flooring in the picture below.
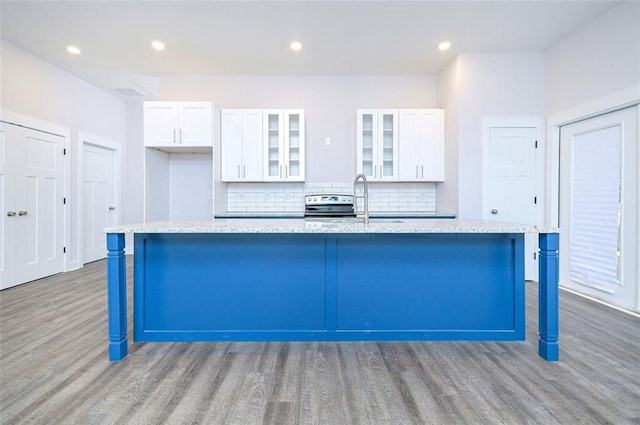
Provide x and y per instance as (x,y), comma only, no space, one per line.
(54,370)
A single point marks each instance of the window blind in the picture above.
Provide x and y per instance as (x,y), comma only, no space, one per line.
(594,247)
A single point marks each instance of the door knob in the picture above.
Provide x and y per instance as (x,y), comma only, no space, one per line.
(21,213)
(11,213)
(494,212)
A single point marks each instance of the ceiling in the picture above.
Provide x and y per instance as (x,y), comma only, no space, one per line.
(252,37)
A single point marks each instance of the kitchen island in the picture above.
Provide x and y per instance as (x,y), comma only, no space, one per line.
(340,280)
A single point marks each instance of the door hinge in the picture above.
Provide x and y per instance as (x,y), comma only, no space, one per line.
(64,249)
(536,144)
(535,199)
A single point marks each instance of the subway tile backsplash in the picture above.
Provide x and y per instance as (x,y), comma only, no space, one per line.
(289,197)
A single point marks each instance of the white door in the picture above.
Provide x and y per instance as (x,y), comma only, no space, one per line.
(98,200)
(510,187)
(599,207)
(33,197)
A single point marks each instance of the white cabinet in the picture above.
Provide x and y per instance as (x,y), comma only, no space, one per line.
(178,124)
(377,144)
(284,140)
(241,145)
(421,145)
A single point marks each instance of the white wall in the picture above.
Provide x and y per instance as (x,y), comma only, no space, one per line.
(490,84)
(37,89)
(601,58)
(330,105)
(448,84)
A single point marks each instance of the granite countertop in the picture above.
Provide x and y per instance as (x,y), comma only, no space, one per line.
(345,226)
(374,214)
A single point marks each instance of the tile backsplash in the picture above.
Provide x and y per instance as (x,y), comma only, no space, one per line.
(289,197)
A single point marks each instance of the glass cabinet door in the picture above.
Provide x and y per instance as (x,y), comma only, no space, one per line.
(387,164)
(367,140)
(273,143)
(293,168)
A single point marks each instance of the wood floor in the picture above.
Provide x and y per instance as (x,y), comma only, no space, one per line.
(54,370)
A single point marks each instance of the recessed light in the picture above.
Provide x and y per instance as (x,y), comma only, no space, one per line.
(444,45)
(157,44)
(73,50)
(295,45)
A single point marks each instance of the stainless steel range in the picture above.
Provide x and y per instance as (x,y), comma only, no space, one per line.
(329,205)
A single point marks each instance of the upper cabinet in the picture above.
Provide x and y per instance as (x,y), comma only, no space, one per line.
(401,144)
(377,144)
(178,124)
(421,135)
(284,140)
(241,145)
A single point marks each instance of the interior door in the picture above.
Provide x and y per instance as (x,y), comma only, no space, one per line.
(98,205)
(38,197)
(598,207)
(510,189)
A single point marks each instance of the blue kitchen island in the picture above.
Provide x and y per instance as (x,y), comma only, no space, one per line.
(304,280)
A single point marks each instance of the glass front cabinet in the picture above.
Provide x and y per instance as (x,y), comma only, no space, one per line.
(284,145)
(377,144)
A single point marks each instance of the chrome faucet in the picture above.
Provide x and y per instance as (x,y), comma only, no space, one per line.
(364,216)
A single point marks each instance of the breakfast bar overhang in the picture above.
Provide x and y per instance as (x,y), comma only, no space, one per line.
(297,280)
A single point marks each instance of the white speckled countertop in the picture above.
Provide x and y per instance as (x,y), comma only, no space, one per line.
(301,226)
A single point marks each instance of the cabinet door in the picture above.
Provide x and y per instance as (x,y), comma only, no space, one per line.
(273,144)
(387,145)
(231,145)
(294,137)
(431,144)
(367,141)
(409,166)
(252,145)
(160,123)
(195,124)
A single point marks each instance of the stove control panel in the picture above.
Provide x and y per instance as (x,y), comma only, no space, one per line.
(328,199)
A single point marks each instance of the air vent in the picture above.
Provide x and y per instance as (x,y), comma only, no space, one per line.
(129,92)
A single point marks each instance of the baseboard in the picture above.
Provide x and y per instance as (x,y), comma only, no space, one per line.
(602,302)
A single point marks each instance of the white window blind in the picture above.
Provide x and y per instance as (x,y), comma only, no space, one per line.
(594,251)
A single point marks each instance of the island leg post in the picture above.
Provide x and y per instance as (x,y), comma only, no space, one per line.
(548,347)
(117,296)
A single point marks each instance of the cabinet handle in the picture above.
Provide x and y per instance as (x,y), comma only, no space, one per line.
(180,135)
(286,171)
(174,135)
(244,171)
(238,170)
(422,171)
(21,213)
(112,208)
(416,171)
(11,213)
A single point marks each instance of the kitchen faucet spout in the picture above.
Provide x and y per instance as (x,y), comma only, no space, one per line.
(365,184)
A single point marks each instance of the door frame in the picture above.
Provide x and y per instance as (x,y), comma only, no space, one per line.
(116,148)
(618,100)
(21,120)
